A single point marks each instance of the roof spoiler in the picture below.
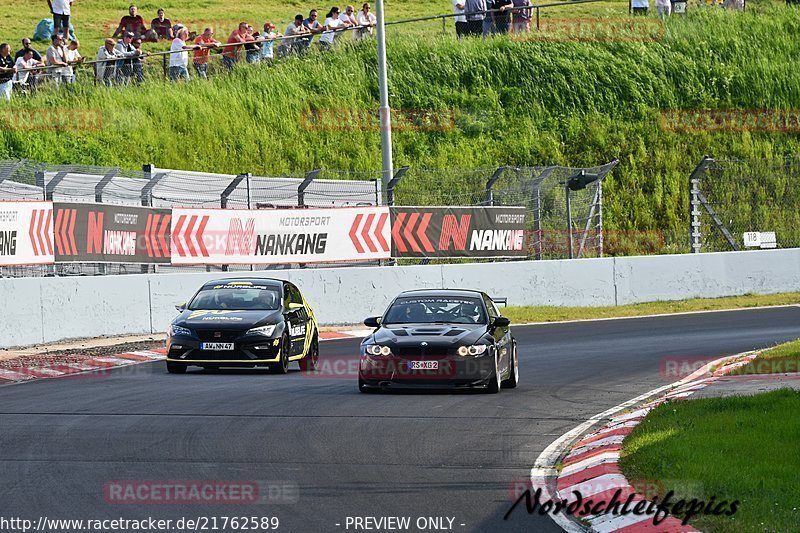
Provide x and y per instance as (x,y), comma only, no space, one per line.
(503,301)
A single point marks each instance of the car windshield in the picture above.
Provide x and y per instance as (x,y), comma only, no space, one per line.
(256,298)
(428,310)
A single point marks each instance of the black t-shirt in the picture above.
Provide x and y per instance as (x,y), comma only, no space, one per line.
(6,62)
(36,55)
(502,16)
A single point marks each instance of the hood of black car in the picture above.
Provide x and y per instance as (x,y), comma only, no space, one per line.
(227,319)
(433,334)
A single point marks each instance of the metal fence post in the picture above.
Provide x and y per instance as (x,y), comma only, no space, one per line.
(569,220)
(39,175)
(98,189)
(393,183)
(490,185)
(301,189)
(695,225)
(52,184)
(223,197)
(11,170)
(599,227)
(147,190)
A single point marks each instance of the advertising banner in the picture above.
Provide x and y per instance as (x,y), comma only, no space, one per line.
(103,233)
(261,237)
(449,232)
(26,233)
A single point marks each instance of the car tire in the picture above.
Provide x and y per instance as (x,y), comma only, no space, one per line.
(310,362)
(513,377)
(363,387)
(494,383)
(176,368)
(282,367)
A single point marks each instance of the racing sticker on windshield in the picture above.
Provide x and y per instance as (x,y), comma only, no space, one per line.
(212,314)
(438,300)
(242,285)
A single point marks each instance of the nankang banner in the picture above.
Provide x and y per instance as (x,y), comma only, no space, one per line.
(261,237)
(449,232)
(26,233)
(102,233)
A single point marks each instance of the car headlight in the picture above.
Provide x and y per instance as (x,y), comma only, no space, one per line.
(179,330)
(378,350)
(263,330)
(475,349)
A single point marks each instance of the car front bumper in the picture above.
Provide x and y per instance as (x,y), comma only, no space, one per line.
(452,371)
(247,351)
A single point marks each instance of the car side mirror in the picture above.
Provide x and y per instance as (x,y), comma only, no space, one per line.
(180,307)
(501,322)
(372,322)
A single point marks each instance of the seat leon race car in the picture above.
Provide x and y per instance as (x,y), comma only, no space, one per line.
(439,338)
(244,322)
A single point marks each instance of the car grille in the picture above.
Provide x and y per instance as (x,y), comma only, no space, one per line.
(208,335)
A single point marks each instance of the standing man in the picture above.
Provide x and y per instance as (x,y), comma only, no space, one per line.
(129,52)
(502,17)
(522,17)
(6,72)
(314,27)
(230,54)
(205,42)
(291,41)
(476,14)
(488,20)
(179,56)
(57,57)
(61,11)
(106,67)
(74,58)
(460,18)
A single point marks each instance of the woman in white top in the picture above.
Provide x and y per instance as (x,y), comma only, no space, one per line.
(73,58)
(366,21)
(332,24)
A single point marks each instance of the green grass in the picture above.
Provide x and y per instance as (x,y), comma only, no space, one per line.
(521,315)
(557,100)
(780,359)
(737,448)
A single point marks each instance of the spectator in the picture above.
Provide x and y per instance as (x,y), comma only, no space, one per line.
(366,21)
(314,27)
(57,57)
(179,56)
(522,17)
(230,54)
(129,52)
(502,16)
(640,7)
(162,26)
(26,45)
(488,20)
(664,8)
(132,23)
(137,62)
(25,66)
(252,50)
(348,18)
(291,42)
(268,46)
(205,42)
(74,58)
(475,12)
(106,66)
(332,24)
(61,10)
(7,71)
(460,18)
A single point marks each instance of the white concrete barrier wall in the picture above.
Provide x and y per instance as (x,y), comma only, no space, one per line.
(37,310)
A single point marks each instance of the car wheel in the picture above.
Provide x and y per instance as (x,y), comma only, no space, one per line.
(310,362)
(176,368)
(494,382)
(513,375)
(282,367)
(363,387)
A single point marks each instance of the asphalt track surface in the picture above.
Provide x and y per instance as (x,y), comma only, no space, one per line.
(347,453)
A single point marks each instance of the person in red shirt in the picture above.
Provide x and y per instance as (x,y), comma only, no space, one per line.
(231,53)
(132,23)
(206,42)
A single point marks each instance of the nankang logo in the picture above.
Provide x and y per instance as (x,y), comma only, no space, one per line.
(493,239)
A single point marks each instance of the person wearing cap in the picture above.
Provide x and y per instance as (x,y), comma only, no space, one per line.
(57,57)
(267,47)
(129,52)
(179,56)
(205,42)
(106,67)
(292,42)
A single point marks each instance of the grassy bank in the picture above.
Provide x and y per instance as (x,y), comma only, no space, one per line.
(562,100)
(738,448)
(521,315)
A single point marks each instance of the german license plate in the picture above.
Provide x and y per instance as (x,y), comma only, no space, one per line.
(423,365)
(216,346)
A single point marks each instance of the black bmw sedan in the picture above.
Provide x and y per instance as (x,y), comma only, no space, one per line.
(436,339)
(244,322)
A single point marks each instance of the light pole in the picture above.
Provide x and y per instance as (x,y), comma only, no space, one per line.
(385,111)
